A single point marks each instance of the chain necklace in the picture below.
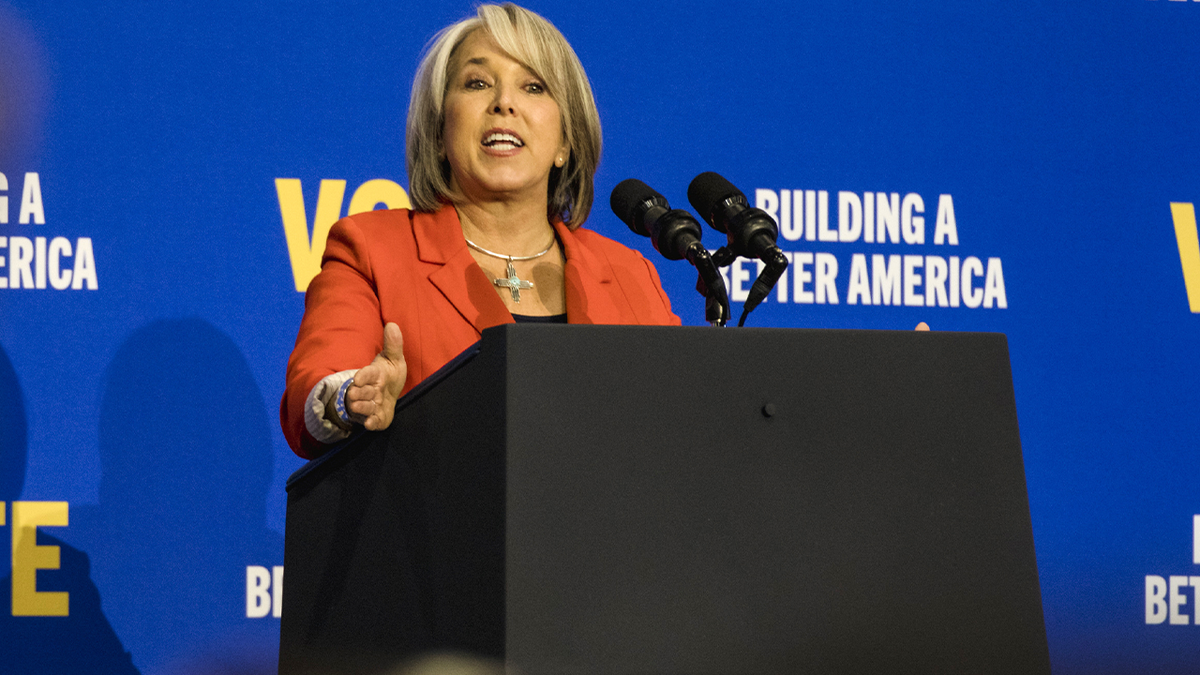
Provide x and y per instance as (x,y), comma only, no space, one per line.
(513,283)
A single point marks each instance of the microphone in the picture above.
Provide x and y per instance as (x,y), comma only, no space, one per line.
(647,213)
(751,232)
(676,235)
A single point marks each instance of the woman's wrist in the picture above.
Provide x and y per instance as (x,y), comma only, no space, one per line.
(335,408)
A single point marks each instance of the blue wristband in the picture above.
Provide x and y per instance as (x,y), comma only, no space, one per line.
(339,403)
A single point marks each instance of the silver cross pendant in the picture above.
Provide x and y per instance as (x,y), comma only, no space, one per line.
(513,283)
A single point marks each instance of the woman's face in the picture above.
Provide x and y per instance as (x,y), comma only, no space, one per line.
(502,130)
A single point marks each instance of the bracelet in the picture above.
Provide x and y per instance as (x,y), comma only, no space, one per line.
(339,404)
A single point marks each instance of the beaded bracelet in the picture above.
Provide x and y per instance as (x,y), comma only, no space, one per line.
(339,403)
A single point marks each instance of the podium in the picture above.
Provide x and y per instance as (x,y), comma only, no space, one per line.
(612,500)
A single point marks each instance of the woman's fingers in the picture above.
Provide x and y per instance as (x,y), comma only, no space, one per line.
(376,421)
(372,396)
(364,396)
(366,392)
(361,406)
(386,376)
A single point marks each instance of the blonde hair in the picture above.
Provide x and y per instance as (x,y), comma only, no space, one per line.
(539,46)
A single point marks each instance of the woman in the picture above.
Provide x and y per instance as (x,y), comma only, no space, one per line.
(502,144)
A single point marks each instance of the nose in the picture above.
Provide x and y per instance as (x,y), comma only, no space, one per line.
(502,102)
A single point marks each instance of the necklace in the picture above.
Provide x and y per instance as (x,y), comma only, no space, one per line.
(513,283)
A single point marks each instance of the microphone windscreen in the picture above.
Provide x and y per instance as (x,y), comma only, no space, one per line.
(707,191)
(626,199)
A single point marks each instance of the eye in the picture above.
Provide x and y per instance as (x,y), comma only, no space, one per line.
(535,88)
(475,83)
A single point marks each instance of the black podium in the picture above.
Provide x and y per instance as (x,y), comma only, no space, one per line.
(619,500)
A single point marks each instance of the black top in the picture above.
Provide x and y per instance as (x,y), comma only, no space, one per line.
(553,318)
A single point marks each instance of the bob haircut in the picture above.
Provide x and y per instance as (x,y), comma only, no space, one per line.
(536,44)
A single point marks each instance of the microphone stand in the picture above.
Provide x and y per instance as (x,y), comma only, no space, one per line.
(776,263)
(710,285)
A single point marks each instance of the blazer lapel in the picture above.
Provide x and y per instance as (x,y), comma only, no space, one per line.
(440,242)
(589,282)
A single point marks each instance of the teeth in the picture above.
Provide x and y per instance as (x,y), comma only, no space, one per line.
(503,138)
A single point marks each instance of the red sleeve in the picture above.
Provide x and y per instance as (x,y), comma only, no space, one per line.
(342,328)
(639,283)
(669,317)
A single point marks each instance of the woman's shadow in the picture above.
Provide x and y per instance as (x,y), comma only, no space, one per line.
(81,642)
(187,460)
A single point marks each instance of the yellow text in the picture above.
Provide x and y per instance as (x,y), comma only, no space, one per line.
(305,251)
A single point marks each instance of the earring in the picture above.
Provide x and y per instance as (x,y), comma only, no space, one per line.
(558,161)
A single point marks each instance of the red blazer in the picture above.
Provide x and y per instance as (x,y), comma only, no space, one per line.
(415,269)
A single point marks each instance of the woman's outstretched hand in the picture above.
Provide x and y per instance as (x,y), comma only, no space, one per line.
(372,398)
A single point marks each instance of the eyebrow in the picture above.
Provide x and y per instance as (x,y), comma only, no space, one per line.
(483,60)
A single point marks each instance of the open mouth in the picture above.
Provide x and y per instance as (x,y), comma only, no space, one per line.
(499,140)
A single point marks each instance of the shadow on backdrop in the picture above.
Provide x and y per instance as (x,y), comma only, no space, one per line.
(82,641)
(186,459)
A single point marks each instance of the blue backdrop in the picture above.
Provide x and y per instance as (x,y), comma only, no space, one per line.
(1019,159)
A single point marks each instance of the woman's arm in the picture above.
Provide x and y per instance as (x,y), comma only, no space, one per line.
(342,330)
